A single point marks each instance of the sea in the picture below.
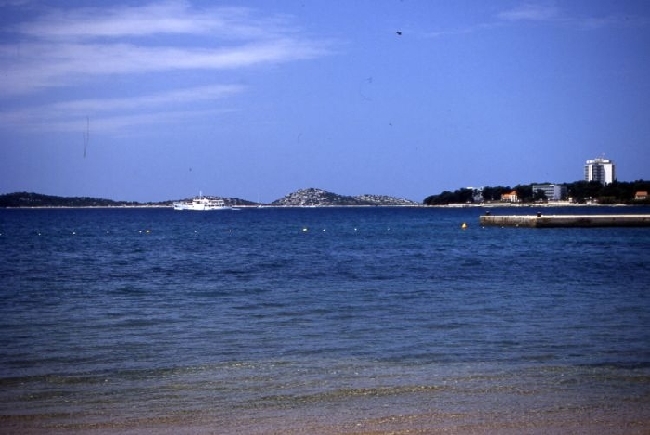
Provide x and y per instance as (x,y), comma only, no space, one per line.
(321,320)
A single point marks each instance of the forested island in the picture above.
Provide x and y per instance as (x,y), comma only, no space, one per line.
(31,199)
(579,192)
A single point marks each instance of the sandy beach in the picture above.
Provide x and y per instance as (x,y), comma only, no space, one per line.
(629,418)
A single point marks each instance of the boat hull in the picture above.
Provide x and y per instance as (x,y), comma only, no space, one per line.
(201,204)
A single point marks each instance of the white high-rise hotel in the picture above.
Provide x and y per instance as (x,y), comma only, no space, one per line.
(601,170)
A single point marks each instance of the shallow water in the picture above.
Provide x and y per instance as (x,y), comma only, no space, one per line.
(118,318)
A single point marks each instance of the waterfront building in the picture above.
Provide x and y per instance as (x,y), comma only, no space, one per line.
(477,194)
(553,192)
(601,170)
(510,196)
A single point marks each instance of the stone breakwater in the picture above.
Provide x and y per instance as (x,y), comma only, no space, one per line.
(554,221)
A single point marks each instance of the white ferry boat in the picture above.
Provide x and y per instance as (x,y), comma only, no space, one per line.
(201,203)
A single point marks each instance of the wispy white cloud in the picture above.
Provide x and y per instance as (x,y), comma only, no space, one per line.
(63,48)
(43,65)
(79,48)
(550,13)
(172,17)
(127,124)
(530,12)
(521,13)
(13,3)
(174,97)
(114,114)
(542,13)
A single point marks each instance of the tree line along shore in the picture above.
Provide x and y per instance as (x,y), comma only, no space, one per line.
(579,192)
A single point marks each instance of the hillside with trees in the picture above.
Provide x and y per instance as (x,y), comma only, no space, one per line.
(319,197)
(581,192)
(30,199)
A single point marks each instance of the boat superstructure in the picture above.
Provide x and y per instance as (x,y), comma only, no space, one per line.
(201,203)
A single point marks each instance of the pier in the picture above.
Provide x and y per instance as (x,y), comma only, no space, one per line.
(559,221)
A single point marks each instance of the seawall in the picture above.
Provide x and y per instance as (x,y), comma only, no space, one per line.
(555,221)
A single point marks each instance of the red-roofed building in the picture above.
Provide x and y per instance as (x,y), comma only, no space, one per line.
(510,197)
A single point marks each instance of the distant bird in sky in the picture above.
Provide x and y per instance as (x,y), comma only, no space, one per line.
(399,33)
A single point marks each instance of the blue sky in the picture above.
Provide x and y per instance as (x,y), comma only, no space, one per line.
(255,99)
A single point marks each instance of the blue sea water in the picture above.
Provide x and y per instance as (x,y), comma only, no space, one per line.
(113,315)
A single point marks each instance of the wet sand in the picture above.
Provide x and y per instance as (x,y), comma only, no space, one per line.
(632,418)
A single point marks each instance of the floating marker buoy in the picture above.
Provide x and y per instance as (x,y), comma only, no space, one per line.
(463,226)
(304,229)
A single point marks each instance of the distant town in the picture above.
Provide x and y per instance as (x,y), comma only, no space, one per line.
(579,192)
(599,186)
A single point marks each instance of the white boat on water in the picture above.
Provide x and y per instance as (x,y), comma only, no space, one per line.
(201,203)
